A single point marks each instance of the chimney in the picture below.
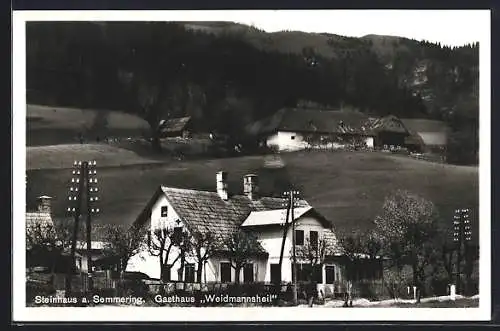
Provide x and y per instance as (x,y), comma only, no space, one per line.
(222,185)
(44,204)
(251,186)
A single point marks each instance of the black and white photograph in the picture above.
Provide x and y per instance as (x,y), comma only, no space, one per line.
(285,162)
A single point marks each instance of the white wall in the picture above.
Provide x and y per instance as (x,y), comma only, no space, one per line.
(150,264)
(369,141)
(283,142)
(271,240)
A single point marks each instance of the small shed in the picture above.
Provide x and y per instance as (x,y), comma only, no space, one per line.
(176,127)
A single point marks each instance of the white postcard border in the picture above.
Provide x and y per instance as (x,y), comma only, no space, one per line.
(191,314)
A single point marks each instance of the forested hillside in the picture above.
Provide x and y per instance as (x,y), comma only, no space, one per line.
(226,75)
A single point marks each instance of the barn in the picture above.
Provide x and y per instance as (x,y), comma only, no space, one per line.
(176,127)
(426,135)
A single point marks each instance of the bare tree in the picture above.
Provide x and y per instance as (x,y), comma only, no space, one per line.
(408,225)
(160,244)
(48,240)
(182,242)
(241,246)
(204,245)
(123,243)
(312,255)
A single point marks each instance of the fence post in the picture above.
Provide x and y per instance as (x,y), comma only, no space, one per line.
(452,292)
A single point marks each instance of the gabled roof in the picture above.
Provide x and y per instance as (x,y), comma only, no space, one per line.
(313,121)
(37,216)
(388,124)
(174,124)
(205,211)
(273,217)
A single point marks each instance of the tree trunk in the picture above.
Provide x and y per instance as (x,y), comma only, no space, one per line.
(237,275)
(199,272)
(155,141)
(416,282)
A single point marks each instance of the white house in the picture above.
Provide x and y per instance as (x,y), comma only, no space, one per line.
(222,214)
(300,128)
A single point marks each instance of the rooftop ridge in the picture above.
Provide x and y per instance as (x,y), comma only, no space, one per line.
(187,190)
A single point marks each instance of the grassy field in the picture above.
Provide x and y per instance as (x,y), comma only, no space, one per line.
(347,187)
(63,156)
(47,125)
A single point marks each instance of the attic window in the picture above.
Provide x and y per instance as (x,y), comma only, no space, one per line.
(164,211)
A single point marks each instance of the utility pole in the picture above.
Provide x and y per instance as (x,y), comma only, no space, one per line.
(74,198)
(294,270)
(81,191)
(461,237)
(291,198)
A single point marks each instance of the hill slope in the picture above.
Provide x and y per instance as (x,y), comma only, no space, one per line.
(58,125)
(347,187)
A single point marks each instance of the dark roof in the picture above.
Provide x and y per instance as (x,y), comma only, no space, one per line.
(205,211)
(325,121)
(174,124)
(312,120)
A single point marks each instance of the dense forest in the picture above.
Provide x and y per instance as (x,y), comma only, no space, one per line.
(225,75)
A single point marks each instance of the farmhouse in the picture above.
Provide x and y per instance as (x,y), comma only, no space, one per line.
(301,128)
(426,135)
(223,214)
(176,127)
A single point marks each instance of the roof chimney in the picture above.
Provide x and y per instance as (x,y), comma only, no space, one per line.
(222,185)
(251,186)
(44,204)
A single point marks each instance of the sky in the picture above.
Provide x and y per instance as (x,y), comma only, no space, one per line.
(449,27)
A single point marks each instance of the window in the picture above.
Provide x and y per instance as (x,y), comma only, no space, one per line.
(313,239)
(225,272)
(302,272)
(164,211)
(165,276)
(330,274)
(275,273)
(292,137)
(299,237)
(248,273)
(189,273)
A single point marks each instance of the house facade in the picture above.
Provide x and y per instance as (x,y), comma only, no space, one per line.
(222,214)
(299,128)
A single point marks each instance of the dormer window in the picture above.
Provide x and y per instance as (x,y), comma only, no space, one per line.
(164,211)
